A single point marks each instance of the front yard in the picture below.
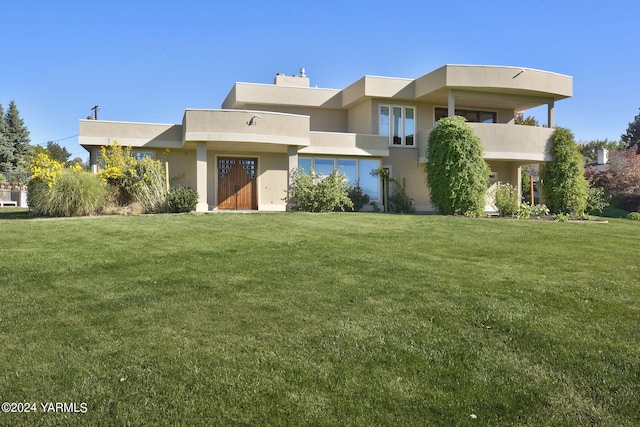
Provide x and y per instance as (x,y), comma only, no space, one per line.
(319,319)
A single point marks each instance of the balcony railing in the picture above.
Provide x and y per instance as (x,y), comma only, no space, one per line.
(514,142)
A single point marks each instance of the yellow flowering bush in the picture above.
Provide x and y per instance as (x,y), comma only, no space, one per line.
(44,169)
(133,179)
(58,191)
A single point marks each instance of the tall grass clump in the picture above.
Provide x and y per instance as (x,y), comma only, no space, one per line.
(58,191)
(133,180)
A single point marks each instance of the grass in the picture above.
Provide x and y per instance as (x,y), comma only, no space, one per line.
(320,319)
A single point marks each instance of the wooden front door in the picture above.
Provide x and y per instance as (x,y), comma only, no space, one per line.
(237,183)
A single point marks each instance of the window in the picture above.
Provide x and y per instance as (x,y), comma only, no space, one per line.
(324,166)
(357,171)
(474,116)
(304,164)
(398,123)
(349,167)
(139,155)
(370,184)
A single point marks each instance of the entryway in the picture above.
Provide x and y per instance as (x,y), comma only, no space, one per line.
(237,189)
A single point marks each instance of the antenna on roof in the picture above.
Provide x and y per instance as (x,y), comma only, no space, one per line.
(302,72)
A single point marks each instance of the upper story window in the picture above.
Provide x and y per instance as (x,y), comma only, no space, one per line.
(398,123)
(474,116)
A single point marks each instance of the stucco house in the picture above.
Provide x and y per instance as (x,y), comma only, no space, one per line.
(241,156)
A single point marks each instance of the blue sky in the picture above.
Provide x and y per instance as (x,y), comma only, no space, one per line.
(150,60)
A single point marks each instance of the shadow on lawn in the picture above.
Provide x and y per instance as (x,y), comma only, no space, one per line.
(15,213)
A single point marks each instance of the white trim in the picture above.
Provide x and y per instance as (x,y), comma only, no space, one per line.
(403,119)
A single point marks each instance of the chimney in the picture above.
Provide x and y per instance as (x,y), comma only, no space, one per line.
(603,156)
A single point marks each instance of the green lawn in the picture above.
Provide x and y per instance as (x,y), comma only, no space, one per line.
(320,319)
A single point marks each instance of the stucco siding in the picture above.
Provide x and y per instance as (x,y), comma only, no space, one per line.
(182,166)
(272,181)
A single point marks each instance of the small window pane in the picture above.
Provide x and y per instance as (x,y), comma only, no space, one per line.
(323,166)
(348,167)
(142,154)
(304,163)
(397,125)
(384,120)
(409,126)
(370,184)
(486,117)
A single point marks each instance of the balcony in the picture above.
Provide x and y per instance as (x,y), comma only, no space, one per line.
(514,142)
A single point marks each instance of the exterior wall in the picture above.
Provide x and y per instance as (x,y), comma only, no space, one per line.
(182,168)
(321,119)
(346,144)
(272,181)
(263,94)
(405,168)
(234,126)
(98,132)
(363,118)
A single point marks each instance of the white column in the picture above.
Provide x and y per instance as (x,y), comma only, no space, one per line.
(293,159)
(452,104)
(201,177)
(550,114)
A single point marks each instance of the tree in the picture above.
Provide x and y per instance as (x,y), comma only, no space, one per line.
(456,171)
(57,152)
(14,143)
(589,150)
(632,136)
(6,151)
(564,186)
(622,176)
(519,119)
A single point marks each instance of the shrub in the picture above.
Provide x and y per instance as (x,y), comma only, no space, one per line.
(135,180)
(595,199)
(358,198)
(182,199)
(506,199)
(525,210)
(630,203)
(148,185)
(635,216)
(2,179)
(456,171)
(622,176)
(74,193)
(399,202)
(564,186)
(314,193)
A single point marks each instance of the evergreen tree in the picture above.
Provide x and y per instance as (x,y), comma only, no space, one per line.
(6,152)
(57,152)
(17,136)
(589,150)
(564,186)
(632,136)
(457,174)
